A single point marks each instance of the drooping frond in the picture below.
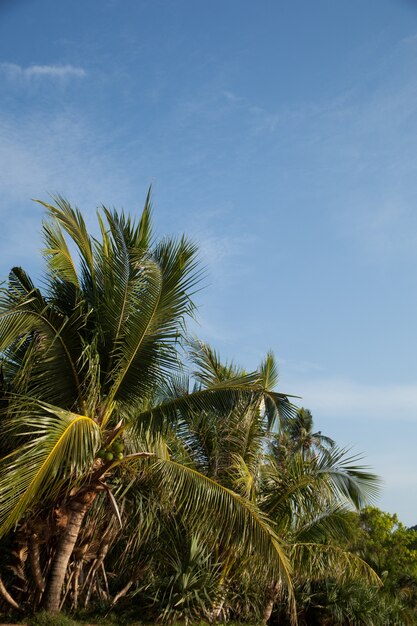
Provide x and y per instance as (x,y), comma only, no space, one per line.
(55,340)
(220,397)
(301,493)
(332,521)
(215,511)
(316,560)
(58,448)
(350,480)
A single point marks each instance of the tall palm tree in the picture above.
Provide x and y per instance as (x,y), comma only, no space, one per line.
(91,362)
(298,435)
(308,496)
(300,479)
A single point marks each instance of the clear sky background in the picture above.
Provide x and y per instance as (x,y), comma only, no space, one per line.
(282,136)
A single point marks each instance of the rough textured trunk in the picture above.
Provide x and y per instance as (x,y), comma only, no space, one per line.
(216,609)
(35,561)
(77,509)
(272,596)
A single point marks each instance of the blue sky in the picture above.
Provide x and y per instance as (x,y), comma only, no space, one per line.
(282,136)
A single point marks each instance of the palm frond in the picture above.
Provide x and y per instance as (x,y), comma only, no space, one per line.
(58,257)
(315,560)
(269,371)
(210,370)
(59,447)
(350,480)
(56,338)
(216,511)
(74,225)
(219,397)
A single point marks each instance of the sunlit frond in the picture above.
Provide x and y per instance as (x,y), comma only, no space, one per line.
(58,448)
(218,512)
(220,397)
(74,225)
(350,480)
(315,561)
(57,254)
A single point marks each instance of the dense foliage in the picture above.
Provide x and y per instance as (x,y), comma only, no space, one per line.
(141,473)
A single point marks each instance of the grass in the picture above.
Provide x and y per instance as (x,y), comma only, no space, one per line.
(46,619)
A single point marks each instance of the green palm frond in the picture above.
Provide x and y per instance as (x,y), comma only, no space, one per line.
(215,511)
(146,350)
(309,495)
(59,447)
(220,397)
(136,353)
(332,522)
(315,560)
(54,337)
(72,221)
(269,371)
(350,480)
(243,479)
(60,263)
(210,370)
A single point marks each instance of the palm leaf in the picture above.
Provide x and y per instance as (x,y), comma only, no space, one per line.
(59,448)
(216,511)
(315,560)
(25,312)
(352,481)
(57,254)
(219,397)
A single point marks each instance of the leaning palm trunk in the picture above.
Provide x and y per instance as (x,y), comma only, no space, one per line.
(273,594)
(77,511)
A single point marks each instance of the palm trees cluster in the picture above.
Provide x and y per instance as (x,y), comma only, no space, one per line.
(137,468)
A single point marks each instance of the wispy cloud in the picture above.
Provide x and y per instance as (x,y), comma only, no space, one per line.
(341,398)
(52,153)
(260,119)
(13,70)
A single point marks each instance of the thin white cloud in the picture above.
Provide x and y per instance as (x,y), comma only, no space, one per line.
(334,398)
(53,153)
(13,70)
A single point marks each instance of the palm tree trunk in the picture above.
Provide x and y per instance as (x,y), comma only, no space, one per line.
(216,609)
(35,561)
(272,596)
(77,508)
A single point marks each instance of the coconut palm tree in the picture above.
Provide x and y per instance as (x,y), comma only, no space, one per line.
(308,498)
(301,480)
(91,362)
(298,433)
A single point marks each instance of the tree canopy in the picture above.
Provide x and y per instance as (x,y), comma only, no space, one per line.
(130,447)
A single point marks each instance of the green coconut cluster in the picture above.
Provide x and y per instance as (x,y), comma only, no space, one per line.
(114,452)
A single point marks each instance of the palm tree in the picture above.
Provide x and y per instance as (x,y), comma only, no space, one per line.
(91,363)
(301,480)
(297,435)
(308,499)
